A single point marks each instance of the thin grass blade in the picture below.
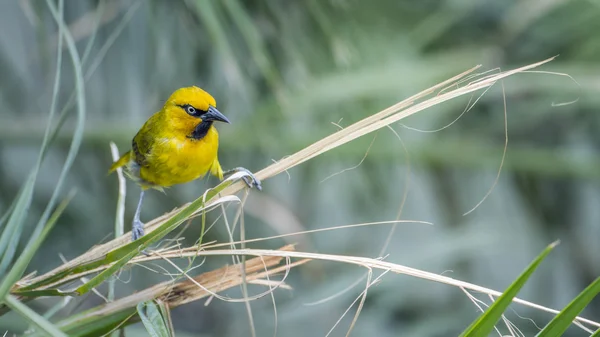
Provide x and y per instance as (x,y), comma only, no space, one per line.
(32,247)
(12,233)
(8,212)
(484,325)
(17,271)
(122,312)
(124,254)
(152,318)
(118,257)
(166,314)
(565,318)
(40,322)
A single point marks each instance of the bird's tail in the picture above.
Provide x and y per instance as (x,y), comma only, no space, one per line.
(121,162)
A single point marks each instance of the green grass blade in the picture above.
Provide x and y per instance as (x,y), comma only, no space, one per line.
(17,271)
(108,317)
(84,325)
(80,123)
(254,41)
(8,213)
(40,322)
(99,56)
(208,13)
(166,314)
(120,256)
(33,245)
(152,318)
(104,275)
(12,234)
(16,220)
(99,12)
(124,254)
(485,323)
(563,320)
(5,246)
(10,240)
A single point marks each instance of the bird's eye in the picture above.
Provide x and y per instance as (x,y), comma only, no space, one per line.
(190,110)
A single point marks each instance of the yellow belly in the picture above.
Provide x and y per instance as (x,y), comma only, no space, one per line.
(179,160)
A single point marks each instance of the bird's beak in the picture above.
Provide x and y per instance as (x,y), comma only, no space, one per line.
(214,115)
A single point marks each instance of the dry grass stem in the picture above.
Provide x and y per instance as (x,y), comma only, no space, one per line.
(176,294)
(371,263)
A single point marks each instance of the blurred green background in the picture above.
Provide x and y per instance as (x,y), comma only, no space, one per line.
(284,72)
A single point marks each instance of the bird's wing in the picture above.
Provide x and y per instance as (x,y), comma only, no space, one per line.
(142,143)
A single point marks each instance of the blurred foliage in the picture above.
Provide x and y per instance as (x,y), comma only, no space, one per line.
(284,72)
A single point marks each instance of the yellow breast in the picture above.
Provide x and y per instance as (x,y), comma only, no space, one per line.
(177,159)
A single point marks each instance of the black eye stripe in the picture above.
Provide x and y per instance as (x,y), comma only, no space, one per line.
(191,110)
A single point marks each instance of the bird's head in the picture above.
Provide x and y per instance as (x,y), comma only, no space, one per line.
(193,102)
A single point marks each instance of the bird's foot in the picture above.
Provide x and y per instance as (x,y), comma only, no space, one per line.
(137,229)
(250,180)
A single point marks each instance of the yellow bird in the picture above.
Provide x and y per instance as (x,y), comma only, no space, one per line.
(176,145)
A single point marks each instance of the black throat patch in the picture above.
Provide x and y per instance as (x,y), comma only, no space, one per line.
(201,130)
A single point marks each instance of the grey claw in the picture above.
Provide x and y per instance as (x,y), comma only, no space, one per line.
(250,180)
(137,230)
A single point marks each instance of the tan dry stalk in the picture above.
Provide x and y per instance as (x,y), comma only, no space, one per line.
(369,263)
(177,293)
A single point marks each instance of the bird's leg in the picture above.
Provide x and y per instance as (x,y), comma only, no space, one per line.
(137,227)
(250,179)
